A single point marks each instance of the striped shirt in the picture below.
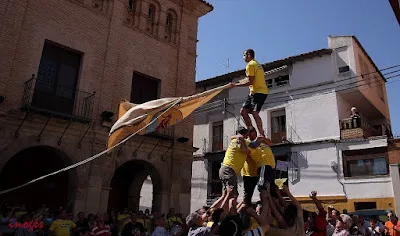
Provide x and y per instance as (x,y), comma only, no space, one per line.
(99,230)
(255,232)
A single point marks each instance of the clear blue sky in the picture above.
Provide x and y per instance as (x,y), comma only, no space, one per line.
(277,29)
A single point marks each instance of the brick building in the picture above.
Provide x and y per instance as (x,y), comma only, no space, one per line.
(86,56)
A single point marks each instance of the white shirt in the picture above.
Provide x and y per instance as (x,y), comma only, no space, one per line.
(160,231)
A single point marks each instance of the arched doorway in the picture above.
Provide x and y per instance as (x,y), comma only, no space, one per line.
(31,163)
(127,182)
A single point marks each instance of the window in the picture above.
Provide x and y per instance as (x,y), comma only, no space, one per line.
(151,13)
(364,205)
(144,88)
(169,22)
(132,5)
(214,183)
(218,136)
(366,162)
(342,60)
(171,26)
(151,18)
(278,126)
(279,81)
(344,69)
(55,88)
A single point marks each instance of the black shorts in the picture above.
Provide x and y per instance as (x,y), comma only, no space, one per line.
(255,101)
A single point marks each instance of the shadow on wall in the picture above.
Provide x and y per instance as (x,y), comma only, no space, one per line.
(298,161)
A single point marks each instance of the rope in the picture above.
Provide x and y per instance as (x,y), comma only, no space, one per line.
(93,157)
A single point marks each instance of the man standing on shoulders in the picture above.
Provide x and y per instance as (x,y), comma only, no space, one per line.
(258,91)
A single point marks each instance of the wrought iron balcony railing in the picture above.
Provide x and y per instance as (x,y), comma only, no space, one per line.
(56,100)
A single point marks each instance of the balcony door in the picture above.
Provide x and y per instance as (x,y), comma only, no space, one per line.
(56,83)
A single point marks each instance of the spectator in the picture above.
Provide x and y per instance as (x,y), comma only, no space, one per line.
(159,223)
(374,228)
(343,224)
(82,221)
(195,223)
(392,226)
(101,229)
(62,226)
(133,228)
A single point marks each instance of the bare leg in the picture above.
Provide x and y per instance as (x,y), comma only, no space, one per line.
(245,114)
(258,120)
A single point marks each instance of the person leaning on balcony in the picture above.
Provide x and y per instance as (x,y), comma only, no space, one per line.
(258,91)
(356,118)
(234,159)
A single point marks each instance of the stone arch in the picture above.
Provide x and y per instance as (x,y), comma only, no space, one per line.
(127,182)
(33,162)
(171,26)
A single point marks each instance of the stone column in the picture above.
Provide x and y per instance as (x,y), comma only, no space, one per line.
(105,193)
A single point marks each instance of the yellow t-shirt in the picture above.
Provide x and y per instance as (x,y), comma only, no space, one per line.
(234,157)
(172,220)
(210,224)
(259,85)
(250,165)
(253,224)
(267,157)
(62,227)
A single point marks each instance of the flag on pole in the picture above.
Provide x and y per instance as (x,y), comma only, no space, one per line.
(162,113)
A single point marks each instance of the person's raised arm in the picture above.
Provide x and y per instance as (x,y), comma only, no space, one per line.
(264,219)
(316,201)
(217,204)
(243,146)
(294,201)
(281,200)
(265,140)
(225,202)
(275,211)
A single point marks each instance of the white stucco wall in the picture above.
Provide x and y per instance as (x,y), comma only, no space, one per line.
(199,185)
(314,162)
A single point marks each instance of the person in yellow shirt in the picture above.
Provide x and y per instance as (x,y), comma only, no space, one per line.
(62,226)
(234,159)
(258,91)
(260,167)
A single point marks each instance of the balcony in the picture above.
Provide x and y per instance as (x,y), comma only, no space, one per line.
(357,128)
(166,133)
(57,101)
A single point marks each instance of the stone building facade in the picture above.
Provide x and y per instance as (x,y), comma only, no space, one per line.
(86,56)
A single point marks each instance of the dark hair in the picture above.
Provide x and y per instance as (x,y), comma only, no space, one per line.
(373,220)
(250,52)
(231,226)
(290,214)
(252,129)
(242,131)
(216,214)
